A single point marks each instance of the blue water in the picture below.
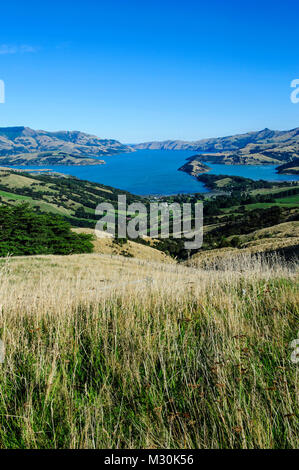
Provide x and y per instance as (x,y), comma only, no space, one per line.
(155,172)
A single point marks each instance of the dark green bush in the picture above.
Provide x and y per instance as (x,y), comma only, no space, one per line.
(25,232)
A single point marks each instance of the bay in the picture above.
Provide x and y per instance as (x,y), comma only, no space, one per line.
(155,172)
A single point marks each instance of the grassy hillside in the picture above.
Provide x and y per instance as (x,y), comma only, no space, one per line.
(70,197)
(127,248)
(109,352)
(242,157)
(74,200)
(194,168)
(232,183)
(243,207)
(261,147)
(48,158)
(124,347)
(229,216)
(23,140)
(281,239)
(255,148)
(290,168)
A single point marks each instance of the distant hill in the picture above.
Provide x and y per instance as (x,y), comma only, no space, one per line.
(23,140)
(289,168)
(265,146)
(49,158)
(195,167)
(229,143)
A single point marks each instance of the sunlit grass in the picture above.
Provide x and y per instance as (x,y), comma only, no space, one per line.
(184,358)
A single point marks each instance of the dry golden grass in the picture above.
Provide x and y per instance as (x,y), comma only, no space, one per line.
(222,256)
(108,352)
(258,242)
(286,229)
(130,249)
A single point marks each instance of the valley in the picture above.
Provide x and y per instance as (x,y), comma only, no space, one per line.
(175,348)
(235,207)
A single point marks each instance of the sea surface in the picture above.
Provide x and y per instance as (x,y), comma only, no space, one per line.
(155,172)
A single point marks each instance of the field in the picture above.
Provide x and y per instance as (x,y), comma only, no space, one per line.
(108,352)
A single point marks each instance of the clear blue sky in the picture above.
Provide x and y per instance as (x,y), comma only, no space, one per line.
(146,70)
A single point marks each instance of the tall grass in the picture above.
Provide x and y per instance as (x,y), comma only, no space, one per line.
(192,359)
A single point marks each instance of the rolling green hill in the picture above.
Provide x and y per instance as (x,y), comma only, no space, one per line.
(245,206)
(68,196)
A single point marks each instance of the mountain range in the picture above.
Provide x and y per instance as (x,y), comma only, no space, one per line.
(16,141)
(266,137)
(25,146)
(254,148)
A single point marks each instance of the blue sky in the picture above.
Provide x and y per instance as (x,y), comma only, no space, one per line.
(150,70)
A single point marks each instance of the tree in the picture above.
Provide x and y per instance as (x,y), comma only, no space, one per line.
(25,232)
